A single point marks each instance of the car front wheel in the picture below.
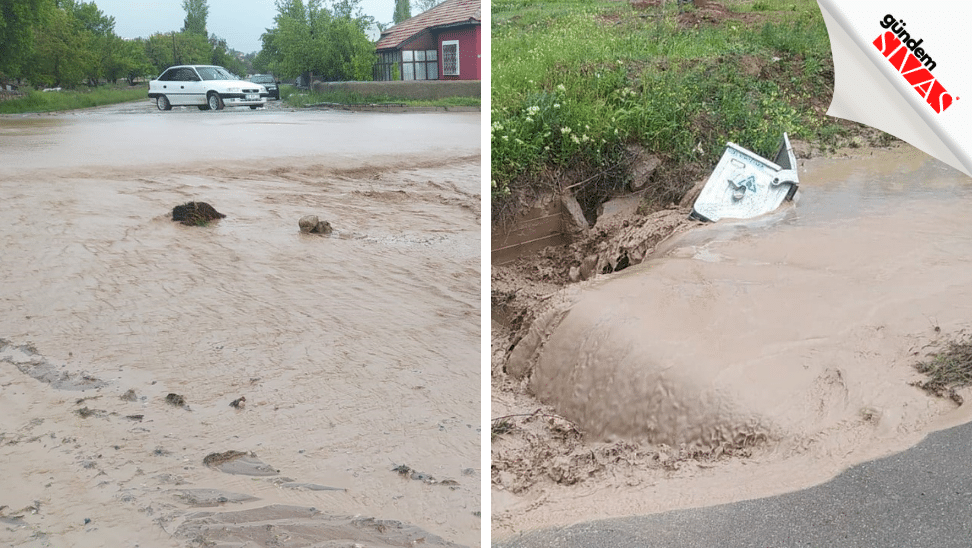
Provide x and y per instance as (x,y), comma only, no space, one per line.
(163,103)
(215,101)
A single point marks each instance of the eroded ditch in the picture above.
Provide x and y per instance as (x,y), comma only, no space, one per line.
(740,360)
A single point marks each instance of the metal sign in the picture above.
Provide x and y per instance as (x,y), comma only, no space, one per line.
(745,185)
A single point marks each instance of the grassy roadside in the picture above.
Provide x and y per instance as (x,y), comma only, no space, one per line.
(574,82)
(296,98)
(51,101)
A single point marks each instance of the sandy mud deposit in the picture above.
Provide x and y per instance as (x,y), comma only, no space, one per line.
(742,359)
(355,352)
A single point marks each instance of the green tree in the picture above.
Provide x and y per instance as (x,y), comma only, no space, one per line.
(350,55)
(311,38)
(160,51)
(422,6)
(133,62)
(196,13)
(177,48)
(18,18)
(98,32)
(90,18)
(62,51)
(223,56)
(403,11)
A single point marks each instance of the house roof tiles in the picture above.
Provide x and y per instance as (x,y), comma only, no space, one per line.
(450,12)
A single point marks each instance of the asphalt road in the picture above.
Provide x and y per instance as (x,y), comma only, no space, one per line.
(919,498)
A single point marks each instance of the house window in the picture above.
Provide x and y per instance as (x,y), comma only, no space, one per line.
(420,65)
(388,66)
(450,57)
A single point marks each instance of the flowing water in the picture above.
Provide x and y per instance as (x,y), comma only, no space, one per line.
(789,339)
(355,352)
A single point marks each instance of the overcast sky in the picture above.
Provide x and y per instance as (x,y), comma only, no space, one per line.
(240,22)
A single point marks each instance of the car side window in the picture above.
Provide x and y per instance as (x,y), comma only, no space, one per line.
(167,76)
(186,74)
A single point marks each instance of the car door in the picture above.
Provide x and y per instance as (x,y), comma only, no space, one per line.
(195,88)
(168,85)
(181,85)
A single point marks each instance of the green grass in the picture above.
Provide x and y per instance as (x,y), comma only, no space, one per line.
(948,370)
(51,101)
(296,98)
(574,82)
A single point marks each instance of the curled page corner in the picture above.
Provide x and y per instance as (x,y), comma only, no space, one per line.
(876,87)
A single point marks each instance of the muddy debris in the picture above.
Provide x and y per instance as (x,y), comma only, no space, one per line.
(210,497)
(195,214)
(406,471)
(239,463)
(239,403)
(129,395)
(642,165)
(26,358)
(86,412)
(304,526)
(176,400)
(311,224)
(947,370)
(213,460)
(300,486)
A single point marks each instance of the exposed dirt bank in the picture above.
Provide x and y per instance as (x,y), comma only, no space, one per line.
(741,360)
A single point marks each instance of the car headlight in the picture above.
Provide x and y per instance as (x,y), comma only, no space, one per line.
(234,90)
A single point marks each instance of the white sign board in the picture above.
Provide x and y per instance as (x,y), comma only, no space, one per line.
(745,185)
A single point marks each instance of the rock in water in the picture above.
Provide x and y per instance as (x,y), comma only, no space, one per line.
(307,223)
(195,213)
(311,224)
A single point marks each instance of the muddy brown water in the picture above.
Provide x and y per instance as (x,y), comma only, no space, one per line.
(356,352)
(793,335)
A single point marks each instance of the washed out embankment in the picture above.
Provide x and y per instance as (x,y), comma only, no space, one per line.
(779,350)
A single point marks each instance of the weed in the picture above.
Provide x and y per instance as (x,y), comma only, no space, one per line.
(501,427)
(948,370)
(40,101)
(574,82)
(345,97)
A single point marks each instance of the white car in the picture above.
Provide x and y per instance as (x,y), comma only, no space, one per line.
(206,86)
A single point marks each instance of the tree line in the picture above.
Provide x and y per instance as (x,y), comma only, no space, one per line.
(67,43)
(330,42)
(71,42)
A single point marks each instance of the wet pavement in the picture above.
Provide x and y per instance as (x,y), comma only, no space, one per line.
(139,134)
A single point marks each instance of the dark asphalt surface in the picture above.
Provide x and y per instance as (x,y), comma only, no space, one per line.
(919,498)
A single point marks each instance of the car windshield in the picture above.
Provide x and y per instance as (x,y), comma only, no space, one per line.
(262,80)
(215,73)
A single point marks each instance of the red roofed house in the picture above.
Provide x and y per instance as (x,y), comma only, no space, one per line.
(443,43)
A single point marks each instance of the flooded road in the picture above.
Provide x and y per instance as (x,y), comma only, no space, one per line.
(787,342)
(356,352)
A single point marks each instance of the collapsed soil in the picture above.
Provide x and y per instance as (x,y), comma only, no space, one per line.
(547,469)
